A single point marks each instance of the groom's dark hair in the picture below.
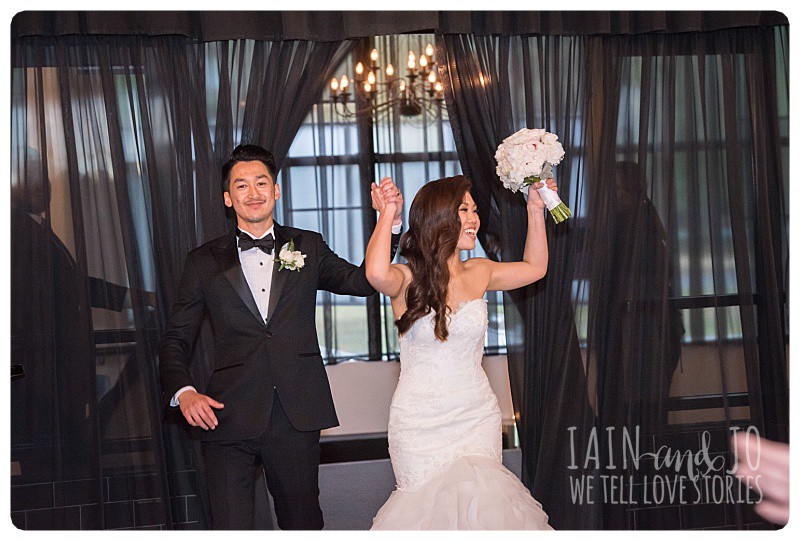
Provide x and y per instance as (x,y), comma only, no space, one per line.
(248,153)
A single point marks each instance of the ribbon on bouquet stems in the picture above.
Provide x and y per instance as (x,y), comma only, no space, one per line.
(558,210)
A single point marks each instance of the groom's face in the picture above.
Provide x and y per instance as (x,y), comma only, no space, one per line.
(252,194)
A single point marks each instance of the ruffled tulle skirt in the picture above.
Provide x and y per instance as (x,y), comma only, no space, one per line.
(472,493)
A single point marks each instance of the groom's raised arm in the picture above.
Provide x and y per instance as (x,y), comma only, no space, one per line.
(339,276)
(342,277)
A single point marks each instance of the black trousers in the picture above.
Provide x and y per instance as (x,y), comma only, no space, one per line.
(291,464)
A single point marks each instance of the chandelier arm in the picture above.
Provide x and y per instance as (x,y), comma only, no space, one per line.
(346,113)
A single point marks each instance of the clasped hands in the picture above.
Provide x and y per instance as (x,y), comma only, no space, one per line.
(387,198)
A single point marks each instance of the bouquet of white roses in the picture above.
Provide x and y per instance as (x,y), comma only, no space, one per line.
(528,156)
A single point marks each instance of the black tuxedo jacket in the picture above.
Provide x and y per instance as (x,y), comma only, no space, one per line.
(256,357)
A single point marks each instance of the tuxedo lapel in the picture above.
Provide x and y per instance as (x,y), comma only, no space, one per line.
(228,258)
(279,278)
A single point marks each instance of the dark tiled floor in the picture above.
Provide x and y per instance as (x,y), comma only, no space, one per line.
(133,501)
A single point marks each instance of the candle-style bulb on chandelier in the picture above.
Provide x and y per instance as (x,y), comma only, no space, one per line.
(378,91)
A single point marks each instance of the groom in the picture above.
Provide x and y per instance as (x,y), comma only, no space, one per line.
(268,397)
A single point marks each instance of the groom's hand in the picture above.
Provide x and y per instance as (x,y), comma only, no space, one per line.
(388,196)
(196,409)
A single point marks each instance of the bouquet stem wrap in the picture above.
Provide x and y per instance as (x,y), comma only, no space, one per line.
(558,210)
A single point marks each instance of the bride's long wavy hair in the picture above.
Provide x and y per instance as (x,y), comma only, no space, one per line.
(433,231)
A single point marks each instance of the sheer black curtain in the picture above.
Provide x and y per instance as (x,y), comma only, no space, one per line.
(675,171)
(116,150)
(544,358)
(687,198)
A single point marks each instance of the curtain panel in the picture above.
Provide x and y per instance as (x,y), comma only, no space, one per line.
(117,144)
(675,163)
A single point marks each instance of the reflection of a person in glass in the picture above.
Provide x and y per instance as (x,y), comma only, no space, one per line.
(52,347)
(51,342)
(640,333)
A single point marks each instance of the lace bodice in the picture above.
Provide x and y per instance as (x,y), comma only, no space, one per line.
(443,408)
(421,351)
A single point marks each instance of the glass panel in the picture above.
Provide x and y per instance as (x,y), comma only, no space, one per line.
(342,327)
(322,134)
(304,191)
(712,324)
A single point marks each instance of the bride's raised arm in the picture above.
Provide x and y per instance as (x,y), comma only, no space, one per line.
(505,276)
(381,274)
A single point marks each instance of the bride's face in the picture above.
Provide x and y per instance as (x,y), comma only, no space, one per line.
(470,223)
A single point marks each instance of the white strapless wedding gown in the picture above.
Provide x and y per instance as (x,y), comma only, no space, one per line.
(445,437)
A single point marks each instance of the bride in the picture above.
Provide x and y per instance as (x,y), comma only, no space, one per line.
(444,421)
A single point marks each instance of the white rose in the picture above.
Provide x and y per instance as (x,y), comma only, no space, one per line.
(536,165)
(300,260)
(549,138)
(512,185)
(516,138)
(524,136)
(285,254)
(554,153)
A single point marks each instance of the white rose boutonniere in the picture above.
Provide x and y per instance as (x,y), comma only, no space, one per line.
(289,258)
(528,156)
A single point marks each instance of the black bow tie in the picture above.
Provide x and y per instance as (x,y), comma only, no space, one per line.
(266,245)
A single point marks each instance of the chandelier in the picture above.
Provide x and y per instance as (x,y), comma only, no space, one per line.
(377,91)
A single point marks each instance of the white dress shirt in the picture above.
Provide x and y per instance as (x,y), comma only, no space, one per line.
(257,269)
